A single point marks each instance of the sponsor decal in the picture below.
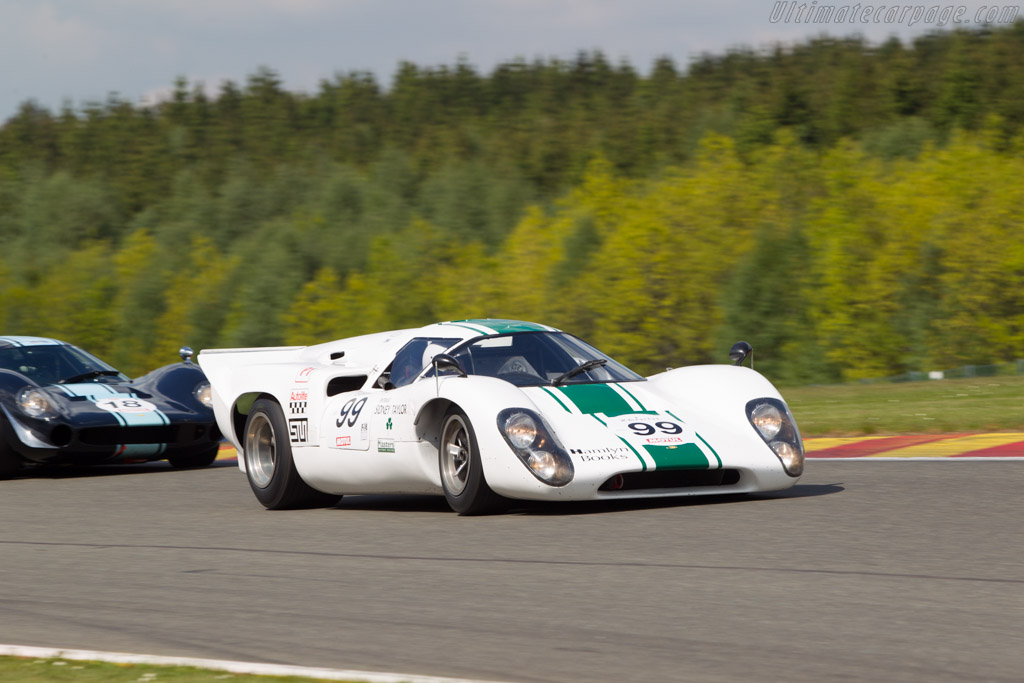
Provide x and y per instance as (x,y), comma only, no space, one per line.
(126,405)
(388,425)
(298,428)
(601,454)
(385,445)
(343,441)
(364,432)
(384,408)
(302,395)
(297,407)
(603,457)
(303,375)
(593,451)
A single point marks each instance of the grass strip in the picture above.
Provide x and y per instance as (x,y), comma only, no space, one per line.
(44,670)
(977,404)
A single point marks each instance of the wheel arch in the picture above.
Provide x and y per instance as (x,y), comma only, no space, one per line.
(428,419)
(240,410)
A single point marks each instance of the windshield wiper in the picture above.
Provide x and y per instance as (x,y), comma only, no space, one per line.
(88,375)
(582,367)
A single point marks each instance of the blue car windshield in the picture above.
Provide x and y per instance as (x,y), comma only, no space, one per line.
(52,363)
(540,358)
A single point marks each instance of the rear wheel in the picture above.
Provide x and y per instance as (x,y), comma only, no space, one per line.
(198,459)
(269,465)
(462,475)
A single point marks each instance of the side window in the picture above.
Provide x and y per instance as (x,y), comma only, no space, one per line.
(412,358)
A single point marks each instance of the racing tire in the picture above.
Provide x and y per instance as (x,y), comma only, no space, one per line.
(9,461)
(269,465)
(190,460)
(462,475)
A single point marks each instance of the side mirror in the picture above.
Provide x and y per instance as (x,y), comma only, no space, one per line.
(186,354)
(739,352)
(443,361)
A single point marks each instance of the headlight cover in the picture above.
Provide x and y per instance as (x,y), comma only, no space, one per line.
(36,403)
(204,394)
(773,422)
(531,439)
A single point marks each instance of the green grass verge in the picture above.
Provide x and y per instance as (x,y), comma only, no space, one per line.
(34,670)
(976,404)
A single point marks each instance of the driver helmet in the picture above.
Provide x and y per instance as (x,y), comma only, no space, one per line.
(433,348)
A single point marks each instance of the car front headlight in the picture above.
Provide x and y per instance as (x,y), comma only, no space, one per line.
(36,403)
(767,419)
(204,394)
(521,430)
(536,446)
(773,422)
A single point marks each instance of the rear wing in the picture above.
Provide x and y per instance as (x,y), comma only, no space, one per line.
(225,358)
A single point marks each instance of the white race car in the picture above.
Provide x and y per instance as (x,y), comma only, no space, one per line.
(487,410)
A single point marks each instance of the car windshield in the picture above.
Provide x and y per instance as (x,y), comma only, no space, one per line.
(540,358)
(53,363)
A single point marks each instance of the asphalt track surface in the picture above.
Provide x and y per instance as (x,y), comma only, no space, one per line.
(865,571)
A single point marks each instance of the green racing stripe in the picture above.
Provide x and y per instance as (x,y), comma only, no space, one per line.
(596,398)
(501,326)
(687,456)
(555,396)
(605,400)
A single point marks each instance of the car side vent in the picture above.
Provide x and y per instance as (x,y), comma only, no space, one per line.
(339,385)
(337,354)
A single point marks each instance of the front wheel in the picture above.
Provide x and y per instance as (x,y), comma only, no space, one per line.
(269,465)
(9,462)
(462,475)
(199,459)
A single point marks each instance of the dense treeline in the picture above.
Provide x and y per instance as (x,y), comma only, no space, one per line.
(851,210)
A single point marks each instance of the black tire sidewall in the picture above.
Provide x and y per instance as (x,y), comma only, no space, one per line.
(286,489)
(10,463)
(271,494)
(199,459)
(477,496)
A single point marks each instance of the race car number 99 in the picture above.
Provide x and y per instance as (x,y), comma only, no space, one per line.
(350,411)
(661,426)
(652,430)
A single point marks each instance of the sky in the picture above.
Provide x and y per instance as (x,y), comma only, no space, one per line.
(58,52)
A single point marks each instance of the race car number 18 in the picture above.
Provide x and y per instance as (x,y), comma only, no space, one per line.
(125,405)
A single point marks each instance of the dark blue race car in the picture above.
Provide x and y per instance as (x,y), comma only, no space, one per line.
(60,404)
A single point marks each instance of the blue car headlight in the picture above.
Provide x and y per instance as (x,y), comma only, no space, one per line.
(535,444)
(37,403)
(773,422)
(204,394)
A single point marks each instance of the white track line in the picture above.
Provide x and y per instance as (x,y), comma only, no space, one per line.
(936,458)
(226,665)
